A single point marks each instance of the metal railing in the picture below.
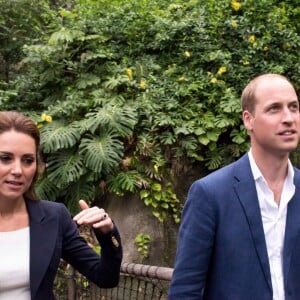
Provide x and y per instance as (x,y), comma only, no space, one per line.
(137,282)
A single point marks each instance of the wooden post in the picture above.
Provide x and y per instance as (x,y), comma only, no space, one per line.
(71,283)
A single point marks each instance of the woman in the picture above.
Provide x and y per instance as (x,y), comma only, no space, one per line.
(36,234)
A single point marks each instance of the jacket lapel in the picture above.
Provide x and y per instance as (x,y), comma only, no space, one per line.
(246,192)
(43,235)
(292,229)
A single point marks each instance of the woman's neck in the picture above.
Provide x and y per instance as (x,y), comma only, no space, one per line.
(13,215)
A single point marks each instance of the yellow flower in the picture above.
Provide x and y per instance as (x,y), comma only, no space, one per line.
(235,5)
(43,117)
(246,62)
(266,48)
(187,54)
(182,78)
(129,73)
(251,39)
(234,24)
(221,70)
(48,119)
(156,168)
(39,125)
(213,80)
(143,84)
(209,73)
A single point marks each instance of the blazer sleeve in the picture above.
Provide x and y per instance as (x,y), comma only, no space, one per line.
(103,270)
(195,244)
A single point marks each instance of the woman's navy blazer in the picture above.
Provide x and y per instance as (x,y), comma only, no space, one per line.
(55,236)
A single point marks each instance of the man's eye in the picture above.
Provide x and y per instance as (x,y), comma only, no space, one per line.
(274,108)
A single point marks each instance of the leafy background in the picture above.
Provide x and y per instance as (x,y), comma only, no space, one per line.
(129,95)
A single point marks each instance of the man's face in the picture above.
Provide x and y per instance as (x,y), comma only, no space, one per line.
(274,124)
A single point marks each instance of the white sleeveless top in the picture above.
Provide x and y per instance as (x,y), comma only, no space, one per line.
(14,265)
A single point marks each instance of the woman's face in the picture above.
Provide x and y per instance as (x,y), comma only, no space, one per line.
(18,164)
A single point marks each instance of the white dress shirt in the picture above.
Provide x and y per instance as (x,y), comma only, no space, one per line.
(274,221)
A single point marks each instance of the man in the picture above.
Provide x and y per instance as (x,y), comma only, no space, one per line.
(240,233)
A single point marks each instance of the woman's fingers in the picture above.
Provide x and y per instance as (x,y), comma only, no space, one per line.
(94,216)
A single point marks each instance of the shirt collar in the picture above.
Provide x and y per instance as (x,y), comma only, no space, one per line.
(257,173)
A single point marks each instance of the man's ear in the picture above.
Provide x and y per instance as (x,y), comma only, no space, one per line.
(247,119)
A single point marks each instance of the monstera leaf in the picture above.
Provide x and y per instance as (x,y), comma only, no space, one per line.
(101,153)
(57,135)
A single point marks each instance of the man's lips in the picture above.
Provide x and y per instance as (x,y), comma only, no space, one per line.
(287,132)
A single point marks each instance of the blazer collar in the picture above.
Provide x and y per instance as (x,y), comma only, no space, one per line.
(246,192)
(43,236)
(292,229)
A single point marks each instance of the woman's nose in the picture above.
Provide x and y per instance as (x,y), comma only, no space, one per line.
(16,168)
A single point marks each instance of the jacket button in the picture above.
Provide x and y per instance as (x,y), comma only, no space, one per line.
(115,241)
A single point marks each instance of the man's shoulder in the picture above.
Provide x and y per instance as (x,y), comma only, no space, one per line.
(234,168)
(296,175)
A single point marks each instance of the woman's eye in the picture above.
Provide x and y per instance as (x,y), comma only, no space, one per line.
(5,158)
(295,107)
(28,161)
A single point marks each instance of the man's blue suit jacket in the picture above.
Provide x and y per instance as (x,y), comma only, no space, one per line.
(221,252)
(54,235)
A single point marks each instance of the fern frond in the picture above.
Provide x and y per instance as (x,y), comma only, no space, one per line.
(118,80)
(101,153)
(87,80)
(56,135)
(123,182)
(100,98)
(64,35)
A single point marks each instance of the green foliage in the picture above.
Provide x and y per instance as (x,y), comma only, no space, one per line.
(57,135)
(127,181)
(101,153)
(139,90)
(161,201)
(142,241)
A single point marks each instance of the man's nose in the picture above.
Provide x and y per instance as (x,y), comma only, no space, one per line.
(288,115)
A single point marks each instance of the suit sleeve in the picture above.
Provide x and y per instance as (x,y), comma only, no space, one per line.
(103,270)
(195,244)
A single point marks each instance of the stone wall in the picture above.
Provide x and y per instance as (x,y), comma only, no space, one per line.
(133,217)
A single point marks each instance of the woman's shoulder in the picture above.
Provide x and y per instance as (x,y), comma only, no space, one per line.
(46,205)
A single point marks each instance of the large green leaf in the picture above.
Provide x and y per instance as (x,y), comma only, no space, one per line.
(57,135)
(101,153)
(65,167)
(119,119)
